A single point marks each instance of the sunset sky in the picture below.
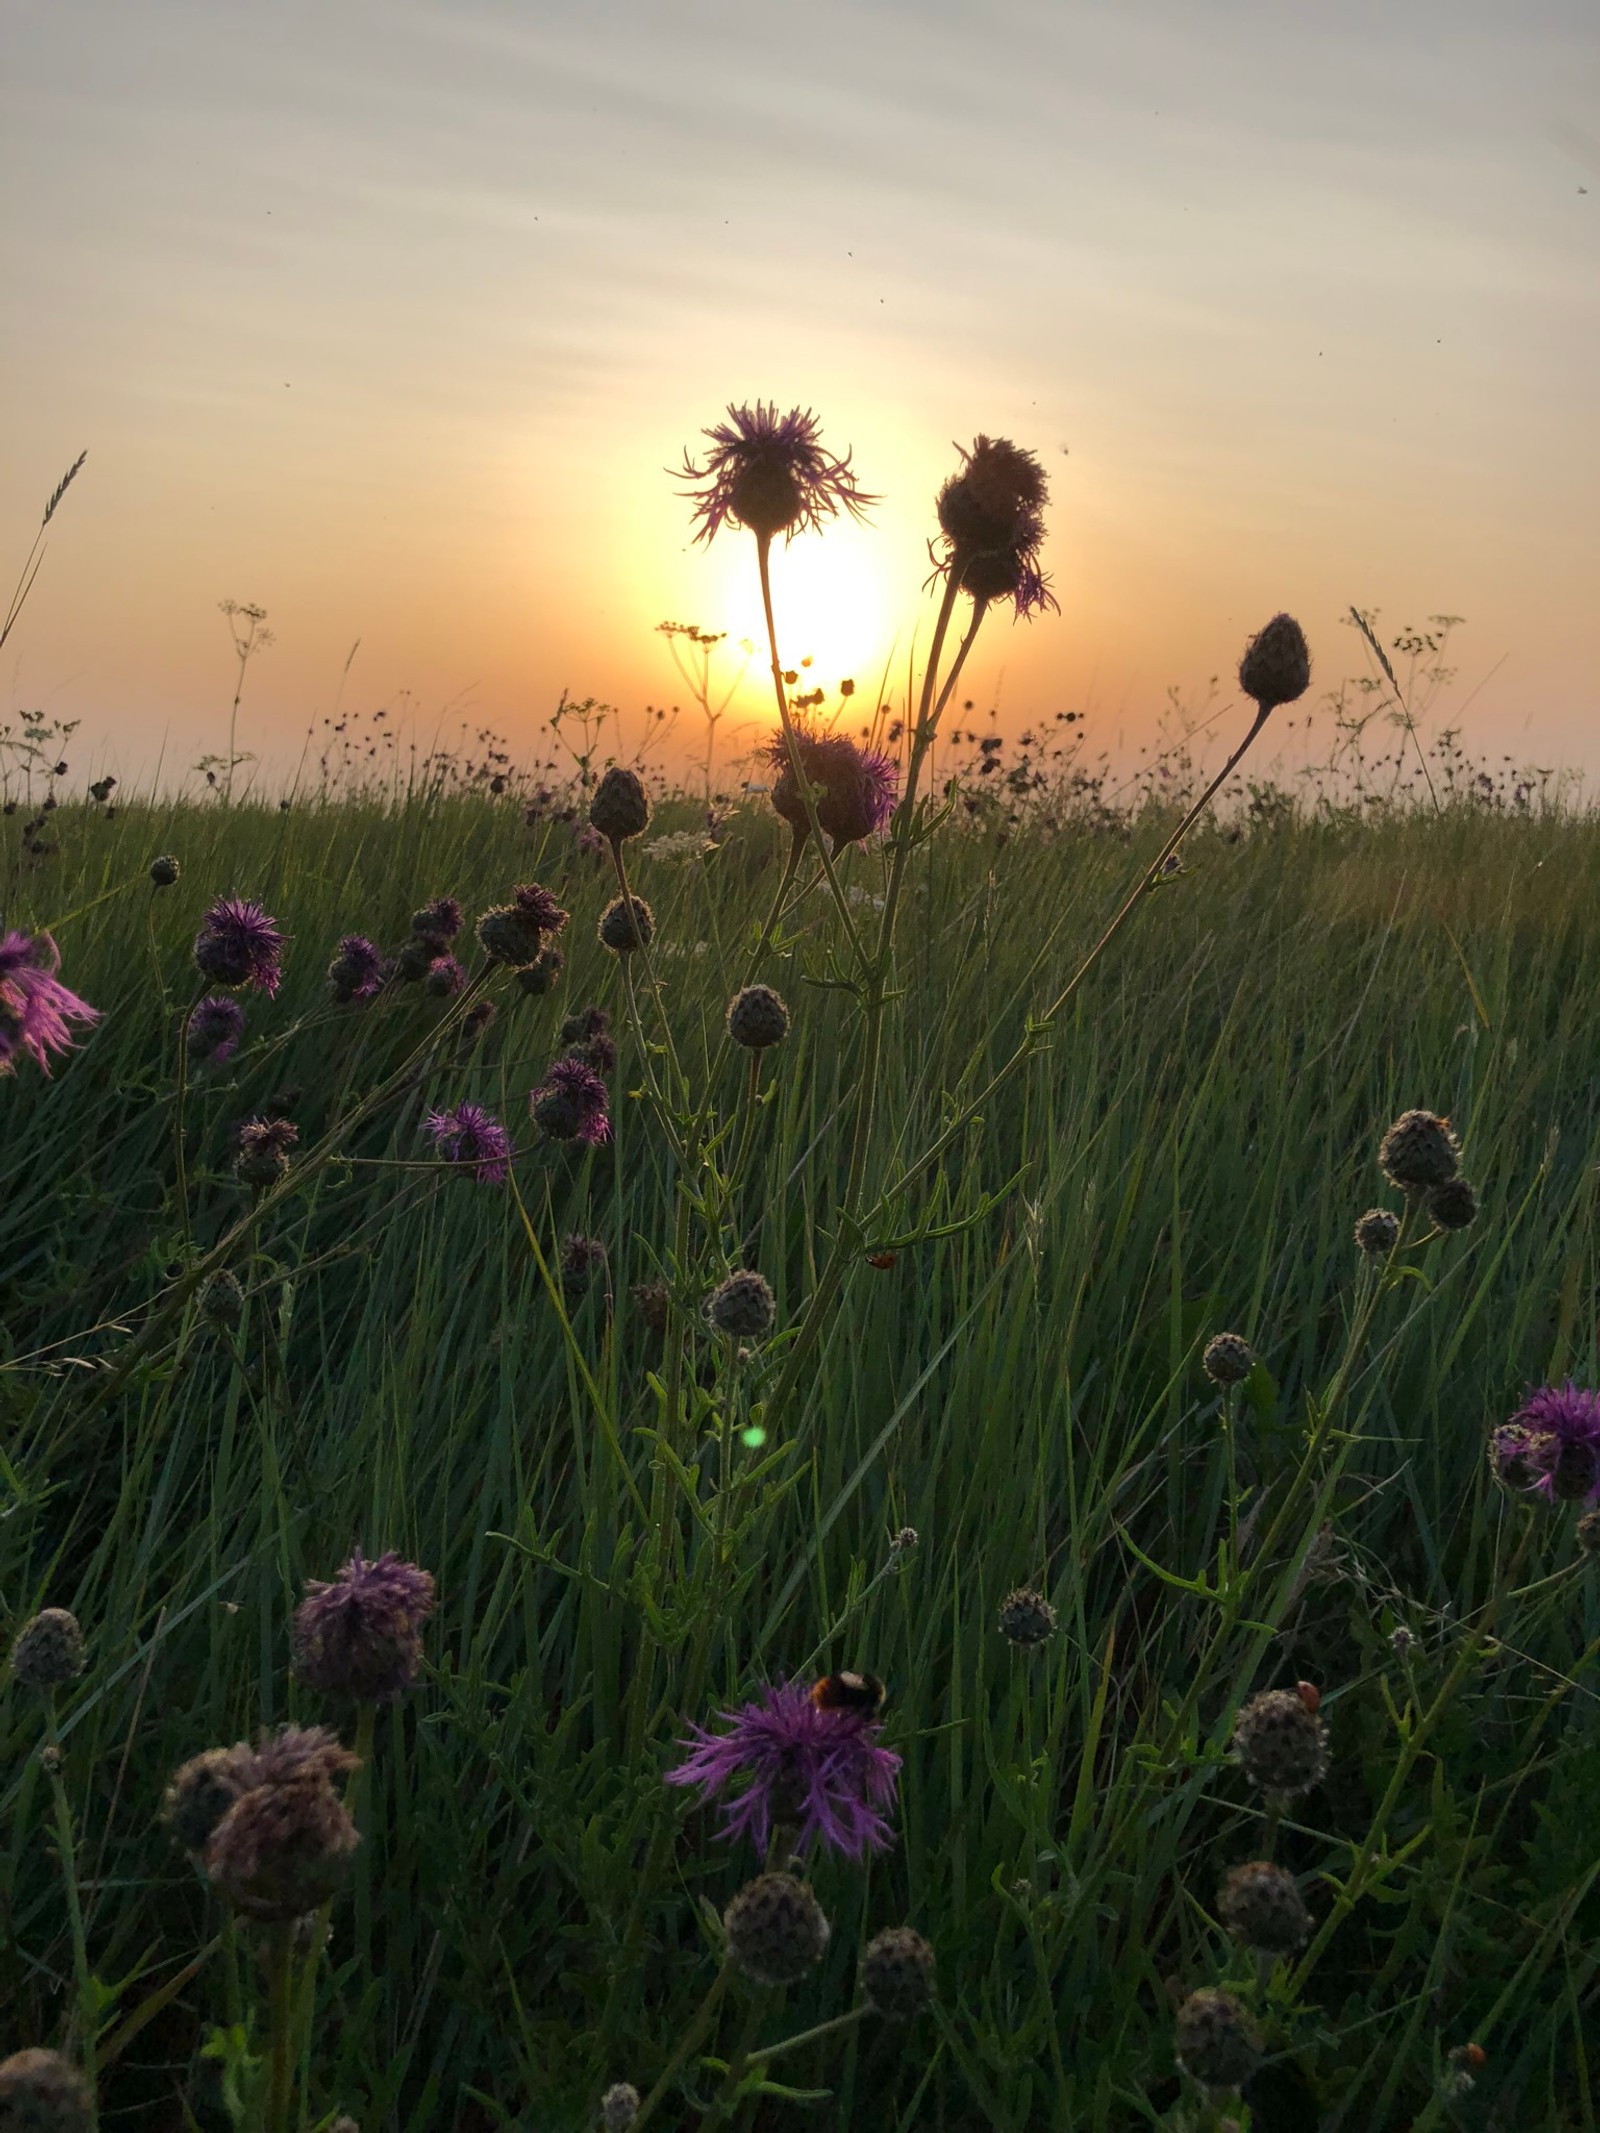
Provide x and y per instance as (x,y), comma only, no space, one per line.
(390,318)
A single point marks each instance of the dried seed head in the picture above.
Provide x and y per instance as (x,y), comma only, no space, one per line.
(1377,1233)
(1276,667)
(40,2092)
(1419,1151)
(164,871)
(1216,2040)
(1454,1204)
(619,2107)
(1281,1746)
(1227,1360)
(627,924)
(1027,1619)
(757,1018)
(222,1301)
(898,1973)
(742,1307)
(776,1929)
(620,807)
(282,1849)
(1263,1909)
(204,1788)
(49,1650)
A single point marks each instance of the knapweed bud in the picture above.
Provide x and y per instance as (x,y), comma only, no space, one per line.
(49,1650)
(439,921)
(541,975)
(619,2107)
(742,1307)
(898,1973)
(222,1301)
(1263,1909)
(203,1789)
(164,871)
(757,1018)
(445,978)
(1276,667)
(621,807)
(776,1929)
(1453,1205)
(1419,1151)
(40,2092)
(652,1300)
(1281,1747)
(1377,1233)
(506,935)
(263,1156)
(1027,1619)
(1227,1360)
(583,1261)
(1216,2041)
(627,924)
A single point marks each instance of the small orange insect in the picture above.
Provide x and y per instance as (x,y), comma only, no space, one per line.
(881,1260)
(1474,2054)
(1310,1695)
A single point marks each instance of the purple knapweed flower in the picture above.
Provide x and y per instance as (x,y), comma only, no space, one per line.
(991,515)
(589,842)
(238,944)
(770,473)
(438,921)
(215,1029)
(820,1769)
(35,1007)
(471,1135)
(539,908)
(570,1103)
(859,785)
(446,977)
(1551,1445)
(361,1634)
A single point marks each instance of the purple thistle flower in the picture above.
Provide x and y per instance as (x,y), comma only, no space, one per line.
(357,970)
(215,1029)
(770,474)
(1552,1445)
(35,1007)
(445,978)
(470,1134)
(570,1103)
(859,785)
(361,1634)
(438,921)
(820,1769)
(991,515)
(238,944)
(539,908)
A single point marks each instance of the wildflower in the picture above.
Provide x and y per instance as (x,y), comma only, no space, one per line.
(361,1634)
(1027,1619)
(417,958)
(538,908)
(1419,1151)
(904,1540)
(539,977)
(41,2092)
(619,2107)
(776,1929)
(35,1007)
(1281,1746)
(506,935)
(1227,1360)
(771,475)
(679,847)
(1263,1909)
(626,923)
(854,788)
(588,842)
(445,978)
(48,1652)
(294,1753)
(1216,2041)
(582,1259)
(897,1973)
(283,1848)
(1552,1445)
(204,1788)
(1402,1641)
(653,1301)
(621,807)
(214,1030)
(1377,1233)
(222,1300)
(1453,1205)
(238,944)
(570,1104)
(439,921)
(263,1156)
(757,1018)
(992,517)
(821,1771)
(356,972)
(586,1024)
(472,1136)
(1276,667)
(742,1307)
(164,871)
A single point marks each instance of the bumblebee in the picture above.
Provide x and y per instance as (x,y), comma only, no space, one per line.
(849,1692)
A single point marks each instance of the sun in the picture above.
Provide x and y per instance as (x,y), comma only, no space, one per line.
(831,603)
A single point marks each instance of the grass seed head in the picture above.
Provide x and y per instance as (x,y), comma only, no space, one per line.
(49,1650)
(776,1929)
(1280,1745)
(1419,1152)
(1263,1909)
(1216,2041)
(898,1973)
(757,1018)
(742,1307)
(41,2092)
(1228,1359)
(1027,1619)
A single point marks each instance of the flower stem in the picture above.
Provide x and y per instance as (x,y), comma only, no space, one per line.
(690,2041)
(85,2017)
(280,1992)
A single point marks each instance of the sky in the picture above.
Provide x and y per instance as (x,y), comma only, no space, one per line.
(393,318)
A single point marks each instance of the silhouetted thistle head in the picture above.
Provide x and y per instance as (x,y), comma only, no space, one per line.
(164,871)
(1027,1619)
(1228,1360)
(991,514)
(474,1138)
(1215,2039)
(570,1104)
(439,921)
(898,1973)
(263,1157)
(776,1929)
(35,1007)
(1377,1233)
(1263,1909)
(620,808)
(742,1308)
(222,1300)
(1551,1445)
(855,788)
(361,1634)
(770,473)
(215,1028)
(204,1788)
(541,975)
(41,2092)
(757,1018)
(583,1262)
(1281,1745)
(507,935)
(238,944)
(627,923)
(356,972)
(283,1848)
(1276,667)
(1419,1151)
(619,2107)
(1453,1205)
(49,1650)
(445,978)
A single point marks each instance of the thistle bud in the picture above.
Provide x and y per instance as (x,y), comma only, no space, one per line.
(1281,1746)
(898,1973)
(621,807)
(164,871)
(1377,1233)
(742,1307)
(1276,667)
(757,1018)
(776,1929)
(627,923)
(1216,2040)
(1453,1205)
(1419,1151)
(1263,1909)
(1227,1360)
(1027,1619)
(49,1650)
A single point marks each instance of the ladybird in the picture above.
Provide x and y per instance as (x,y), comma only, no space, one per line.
(881,1260)
(1310,1695)
(849,1692)
(1474,2054)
